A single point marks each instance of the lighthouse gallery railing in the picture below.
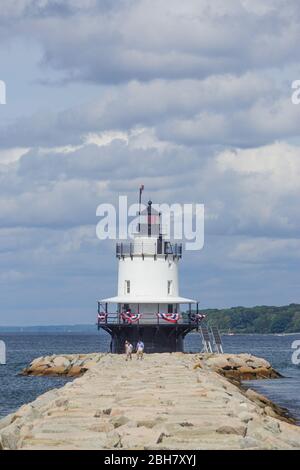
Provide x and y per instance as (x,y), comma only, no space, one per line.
(145,248)
(147,319)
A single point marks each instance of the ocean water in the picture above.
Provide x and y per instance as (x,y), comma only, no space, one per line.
(22,348)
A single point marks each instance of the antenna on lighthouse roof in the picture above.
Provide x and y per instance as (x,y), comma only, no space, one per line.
(142,187)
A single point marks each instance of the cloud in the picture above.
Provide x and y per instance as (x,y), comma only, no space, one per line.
(258,188)
(47,233)
(191,99)
(278,164)
(223,110)
(47,188)
(11,155)
(120,41)
(270,253)
(262,122)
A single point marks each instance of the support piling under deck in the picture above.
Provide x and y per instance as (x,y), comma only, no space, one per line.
(157,337)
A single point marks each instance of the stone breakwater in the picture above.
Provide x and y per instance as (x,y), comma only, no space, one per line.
(167,401)
(71,365)
(233,366)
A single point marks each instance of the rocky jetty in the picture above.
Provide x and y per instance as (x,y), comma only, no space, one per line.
(238,366)
(233,366)
(71,365)
(167,401)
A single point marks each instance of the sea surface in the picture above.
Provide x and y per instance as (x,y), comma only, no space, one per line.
(22,348)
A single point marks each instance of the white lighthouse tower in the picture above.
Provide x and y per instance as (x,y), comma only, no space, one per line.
(148,301)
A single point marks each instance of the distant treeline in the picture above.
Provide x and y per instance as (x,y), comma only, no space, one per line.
(261,319)
(50,329)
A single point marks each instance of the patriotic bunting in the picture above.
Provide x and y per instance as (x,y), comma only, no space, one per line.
(197,316)
(102,316)
(135,317)
(200,316)
(131,317)
(170,317)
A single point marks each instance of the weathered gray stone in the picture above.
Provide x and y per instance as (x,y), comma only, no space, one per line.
(245,417)
(113,440)
(274,426)
(62,402)
(256,362)
(119,421)
(99,413)
(217,362)
(249,443)
(238,430)
(102,426)
(257,397)
(270,412)
(10,437)
(61,361)
(75,371)
(4,422)
(161,437)
(37,361)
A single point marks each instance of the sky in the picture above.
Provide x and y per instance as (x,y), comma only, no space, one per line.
(191,99)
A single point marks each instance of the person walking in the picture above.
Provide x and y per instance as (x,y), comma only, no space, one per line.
(128,350)
(140,349)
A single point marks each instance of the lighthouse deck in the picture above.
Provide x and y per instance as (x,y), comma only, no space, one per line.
(157,335)
(149,319)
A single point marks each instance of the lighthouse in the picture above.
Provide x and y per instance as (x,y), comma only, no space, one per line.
(148,305)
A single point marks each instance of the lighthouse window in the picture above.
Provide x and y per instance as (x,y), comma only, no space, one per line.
(170,308)
(127,287)
(170,286)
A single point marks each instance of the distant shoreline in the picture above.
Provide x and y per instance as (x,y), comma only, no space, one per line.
(81,328)
(93,330)
(261,319)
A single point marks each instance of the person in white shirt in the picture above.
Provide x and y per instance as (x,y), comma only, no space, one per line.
(140,349)
(128,350)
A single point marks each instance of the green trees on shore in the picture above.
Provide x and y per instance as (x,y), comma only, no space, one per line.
(260,319)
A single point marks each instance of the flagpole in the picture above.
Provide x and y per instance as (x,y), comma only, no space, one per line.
(140,203)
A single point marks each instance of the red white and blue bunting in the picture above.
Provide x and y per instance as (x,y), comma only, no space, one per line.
(200,316)
(131,317)
(170,317)
(197,316)
(102,316)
